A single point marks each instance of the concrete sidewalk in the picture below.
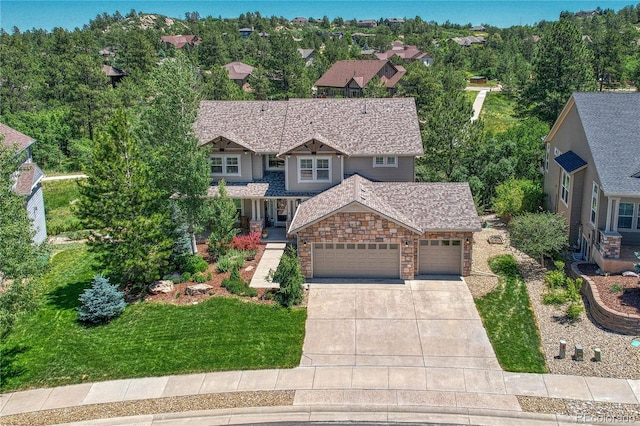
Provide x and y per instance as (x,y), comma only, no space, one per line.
(341,387)
(269,261)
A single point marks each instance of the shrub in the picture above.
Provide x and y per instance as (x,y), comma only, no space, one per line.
(185,277)
(616,288)
(200,278)
(574,310)
(555,279)
(539,234)
(554,297)
(573,289)
(191,263)
(235,285)
(101,303)
(515,197)
(234,259)
(290,278)
(249,242)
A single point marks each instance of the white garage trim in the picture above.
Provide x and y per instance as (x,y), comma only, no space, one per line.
(356,260)
(440,256)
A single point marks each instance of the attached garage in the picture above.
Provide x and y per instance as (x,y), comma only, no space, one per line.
(440,257)
(356,260)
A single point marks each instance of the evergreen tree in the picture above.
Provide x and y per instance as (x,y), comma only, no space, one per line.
(129,218)
(562,65)
(222,220)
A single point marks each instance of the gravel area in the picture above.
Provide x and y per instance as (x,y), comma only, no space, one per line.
(619,358)
(581,409)
(151,406)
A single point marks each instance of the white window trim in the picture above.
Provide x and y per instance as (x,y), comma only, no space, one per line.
(385,159)
(562,187)
(595,193)
(314,169)
(634,215)
(224,164)
(556,152)
(275,168)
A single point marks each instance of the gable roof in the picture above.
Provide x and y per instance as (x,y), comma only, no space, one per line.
(29,175)
(113,72)
(342,72)
(611,126)
(179,41)
(418,206)
(353,126)
(238,70)
(13,138)
(570,162)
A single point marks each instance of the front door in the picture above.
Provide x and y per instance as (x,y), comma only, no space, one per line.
(278,212)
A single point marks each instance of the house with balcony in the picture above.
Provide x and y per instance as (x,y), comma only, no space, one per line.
(339,176)
(28,179)
(592,176)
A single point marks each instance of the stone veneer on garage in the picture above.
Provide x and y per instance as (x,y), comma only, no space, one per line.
(368,227)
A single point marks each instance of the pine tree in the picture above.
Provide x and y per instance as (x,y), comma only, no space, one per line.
(223,217)
(129,218)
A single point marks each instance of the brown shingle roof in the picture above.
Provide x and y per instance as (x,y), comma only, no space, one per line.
(28,176)
(113,72)
(351,126)
(362,72)
(418,206)
(238,70)
(179,41)
(13,138)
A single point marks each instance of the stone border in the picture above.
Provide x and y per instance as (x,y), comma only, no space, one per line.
(608,318)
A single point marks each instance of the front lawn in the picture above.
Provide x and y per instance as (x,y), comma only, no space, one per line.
(50,348)
(509,320)
(59,196)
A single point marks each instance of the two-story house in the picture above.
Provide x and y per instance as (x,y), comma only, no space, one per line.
(592,176)
(28,179)
(339,175)
(348,78)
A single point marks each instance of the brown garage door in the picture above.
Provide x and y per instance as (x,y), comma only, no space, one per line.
(351,260)
(440,257)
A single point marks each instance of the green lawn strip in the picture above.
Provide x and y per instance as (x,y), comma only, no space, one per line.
(509,320)
(58,198)
(498,112)
(51,348)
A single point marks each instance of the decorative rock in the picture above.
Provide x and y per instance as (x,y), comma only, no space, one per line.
(162,286)
(249,268)
(198,289)
(495,239)
(629,274)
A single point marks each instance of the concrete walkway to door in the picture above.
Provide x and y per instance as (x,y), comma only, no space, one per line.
(422,323)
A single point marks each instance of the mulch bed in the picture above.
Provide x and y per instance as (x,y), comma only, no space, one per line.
(626,301)
(179,297)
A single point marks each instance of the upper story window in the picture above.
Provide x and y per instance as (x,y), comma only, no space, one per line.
(275,163)
(638,218)
(385,161)
(566,186)
(625,215)
(314,169)
(594,204)
(225,165)
(546,158)
(556,152)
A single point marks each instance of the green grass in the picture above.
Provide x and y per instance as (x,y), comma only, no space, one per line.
(509,320)
(498,112)
(50,348)
(59,197)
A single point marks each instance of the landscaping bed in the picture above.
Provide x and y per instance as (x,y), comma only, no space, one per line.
(622,294)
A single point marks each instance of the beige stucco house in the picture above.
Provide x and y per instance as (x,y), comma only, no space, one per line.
(592,176)
(339,175)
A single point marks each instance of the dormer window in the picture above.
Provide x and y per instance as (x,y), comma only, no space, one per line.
(314,169)
(385,161)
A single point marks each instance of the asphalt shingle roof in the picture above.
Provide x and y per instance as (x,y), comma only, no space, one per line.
(361,71)
(419,206)
(351,126)
(272,185)
(28,176)
(570,161)
(611,123)
(238,70)
(13,138)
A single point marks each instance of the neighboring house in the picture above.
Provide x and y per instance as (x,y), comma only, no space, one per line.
(349,78)
(180,41)
(28,179)
(467,41)
(478,28)
(239,72)
(409,53)
(299,20)
(367,23)
(246,32)
(115,75)
(393,21)
(307,55)
(339,174)
(592,176)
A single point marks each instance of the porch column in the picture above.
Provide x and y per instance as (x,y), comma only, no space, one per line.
(256,222)
(609,211)
(616,208)
(253,210)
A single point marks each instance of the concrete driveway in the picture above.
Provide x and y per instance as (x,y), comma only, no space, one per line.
(422,323)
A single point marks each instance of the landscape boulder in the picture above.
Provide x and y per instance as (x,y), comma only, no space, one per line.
(198,289)
(161,286)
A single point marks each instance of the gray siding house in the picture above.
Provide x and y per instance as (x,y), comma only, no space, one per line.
(28,179)
(592,176)
(317,167)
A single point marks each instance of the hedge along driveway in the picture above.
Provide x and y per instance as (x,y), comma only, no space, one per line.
(50,348)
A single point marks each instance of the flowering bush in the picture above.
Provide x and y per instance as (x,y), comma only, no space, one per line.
(246,242)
